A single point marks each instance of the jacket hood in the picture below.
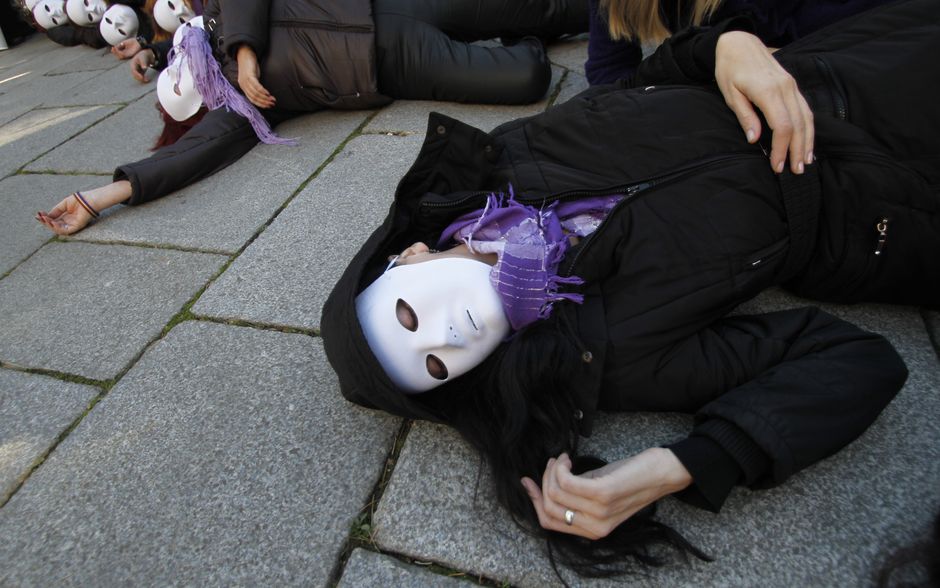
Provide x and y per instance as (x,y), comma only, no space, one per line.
(361,378)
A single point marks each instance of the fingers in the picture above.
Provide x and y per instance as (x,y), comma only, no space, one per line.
(555,523)
(138,70)
(256,93)
(744,111)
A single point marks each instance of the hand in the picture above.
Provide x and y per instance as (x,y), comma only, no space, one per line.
(126,49)
(601,499)
(747,73)
(140,63)
(249,73)
(66,218)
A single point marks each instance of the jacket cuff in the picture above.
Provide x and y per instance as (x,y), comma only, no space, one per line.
(740,447)
(160,52)
(714,472)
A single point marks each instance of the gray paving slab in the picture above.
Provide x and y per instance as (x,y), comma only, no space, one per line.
(932,319)
(36,57)
(834,523)
(21,196)
(86,59)
(569,54)
(224,211)
(411,116)
(35,90)
(125,136)
(34,411)
(284,277)
(114,85)
(367,568)
(38,131)
(573,84)
(89,309)
(225,457)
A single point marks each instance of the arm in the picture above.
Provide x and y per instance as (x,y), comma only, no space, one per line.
(71,35)
(748,76)
(779,392)
(245,23)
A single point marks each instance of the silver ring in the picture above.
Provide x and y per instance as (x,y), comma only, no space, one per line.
(569,517)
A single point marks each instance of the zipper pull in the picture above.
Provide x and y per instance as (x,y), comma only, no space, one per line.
(882,228)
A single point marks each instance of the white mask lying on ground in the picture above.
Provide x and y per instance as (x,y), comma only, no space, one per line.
(428,323)
(85,13)
(176,90)
(119,23)
(195,22)
(170,14)
(50,13)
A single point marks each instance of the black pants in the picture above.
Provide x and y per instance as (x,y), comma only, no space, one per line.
(425,50)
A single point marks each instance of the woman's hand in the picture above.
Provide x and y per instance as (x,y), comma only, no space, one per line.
(140,63)
(249,73)
(66,218)
(601,499)
(747,73)
(126,49)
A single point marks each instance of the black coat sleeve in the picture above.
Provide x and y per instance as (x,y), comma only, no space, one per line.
(245,22)
(71,35)
(688,57)
(777,392)
(221,138)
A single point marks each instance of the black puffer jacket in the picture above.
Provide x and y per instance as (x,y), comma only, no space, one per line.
(313,54)
(705,226)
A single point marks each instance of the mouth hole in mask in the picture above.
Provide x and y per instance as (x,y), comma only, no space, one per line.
(436,368)
(176,89)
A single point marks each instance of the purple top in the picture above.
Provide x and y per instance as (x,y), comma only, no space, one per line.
(530,244)
(776,22)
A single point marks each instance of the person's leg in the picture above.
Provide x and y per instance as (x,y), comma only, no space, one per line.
(473,20)
(417,59)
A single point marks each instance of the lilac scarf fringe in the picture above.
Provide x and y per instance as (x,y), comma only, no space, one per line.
(216,91)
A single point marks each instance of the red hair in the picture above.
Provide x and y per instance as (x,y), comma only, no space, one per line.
(174,129)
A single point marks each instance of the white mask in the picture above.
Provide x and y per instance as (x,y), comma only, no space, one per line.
(176,90)
(195,22)
(119,23)
(50,13)
(428,323)
(85,13)
(170,14)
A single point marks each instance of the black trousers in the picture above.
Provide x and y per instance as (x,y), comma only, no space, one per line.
(425,51)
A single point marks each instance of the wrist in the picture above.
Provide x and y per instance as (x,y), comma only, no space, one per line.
(674,476)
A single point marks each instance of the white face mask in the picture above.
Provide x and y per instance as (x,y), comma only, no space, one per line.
(50,13)
(119,24)
(195,22)
(428,323)
(85,13)
(170,14)
(176,90)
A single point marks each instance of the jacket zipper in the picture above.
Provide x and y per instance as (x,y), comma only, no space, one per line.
(634,190)
(835,94)
(882,228)
(321,24)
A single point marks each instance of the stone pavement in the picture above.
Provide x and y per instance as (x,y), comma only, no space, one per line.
(167,415)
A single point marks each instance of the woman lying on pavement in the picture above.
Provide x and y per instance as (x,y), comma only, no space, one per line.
(637,219)
(291,56)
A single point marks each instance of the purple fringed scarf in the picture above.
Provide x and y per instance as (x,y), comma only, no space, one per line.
(216,91)
(530,245)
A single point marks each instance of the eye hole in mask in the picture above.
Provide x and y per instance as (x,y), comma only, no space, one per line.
(406,315)
(170,4)
(108,20)
(122,32)
(436,368)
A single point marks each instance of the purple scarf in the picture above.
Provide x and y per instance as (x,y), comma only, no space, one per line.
(216,91)
(530,245)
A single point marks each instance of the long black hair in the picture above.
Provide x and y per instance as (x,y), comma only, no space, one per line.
(517,410)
